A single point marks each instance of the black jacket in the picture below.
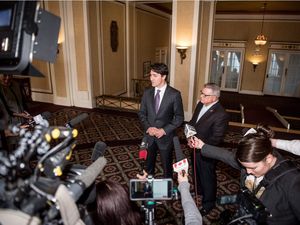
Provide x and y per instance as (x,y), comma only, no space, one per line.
(281,197)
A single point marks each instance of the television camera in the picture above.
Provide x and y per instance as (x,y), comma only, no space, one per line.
(27,32)
(249,209)
(42,195)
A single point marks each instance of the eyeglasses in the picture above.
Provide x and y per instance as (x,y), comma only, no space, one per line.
(205,95)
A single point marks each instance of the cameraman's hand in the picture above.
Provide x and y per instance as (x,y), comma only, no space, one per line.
(142,177)
(182,177)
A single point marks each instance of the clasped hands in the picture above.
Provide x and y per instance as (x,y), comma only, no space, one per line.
(157,132)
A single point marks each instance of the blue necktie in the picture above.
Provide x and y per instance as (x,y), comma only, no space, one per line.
(156,100)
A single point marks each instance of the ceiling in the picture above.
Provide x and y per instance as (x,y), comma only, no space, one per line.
(241,7)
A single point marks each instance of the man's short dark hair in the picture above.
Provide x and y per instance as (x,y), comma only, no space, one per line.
(160,68)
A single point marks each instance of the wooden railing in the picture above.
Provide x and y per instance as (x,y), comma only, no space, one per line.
(117,102)
(139,85)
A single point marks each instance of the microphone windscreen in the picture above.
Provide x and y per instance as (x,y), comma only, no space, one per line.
(46,115)
(90,174)
(143,154)
(77,119)
(98,150)
(178,151)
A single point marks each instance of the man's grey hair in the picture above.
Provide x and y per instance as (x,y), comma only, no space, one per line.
(214,87)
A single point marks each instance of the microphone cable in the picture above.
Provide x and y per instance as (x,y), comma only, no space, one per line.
(195,178)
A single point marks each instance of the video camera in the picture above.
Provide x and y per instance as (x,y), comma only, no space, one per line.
(41,194)
(27,32)
(250,209)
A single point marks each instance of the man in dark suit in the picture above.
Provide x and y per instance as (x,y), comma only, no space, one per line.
(210,121)
(161,112)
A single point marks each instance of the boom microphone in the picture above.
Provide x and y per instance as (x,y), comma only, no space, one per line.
(143,153)
(98,150)
(182,163)
(87,178)
(76,120)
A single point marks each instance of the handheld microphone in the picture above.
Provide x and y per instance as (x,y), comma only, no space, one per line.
(143,153)
(182,163)
(76,120)
(38,119)
(98,150)
(88,176)
(189,131)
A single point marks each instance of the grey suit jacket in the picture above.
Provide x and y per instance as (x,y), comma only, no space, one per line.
(169,117)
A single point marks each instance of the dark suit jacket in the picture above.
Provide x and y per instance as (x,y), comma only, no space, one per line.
(169,117)
(212,126)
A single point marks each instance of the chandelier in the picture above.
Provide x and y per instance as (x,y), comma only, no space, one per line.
(261,39)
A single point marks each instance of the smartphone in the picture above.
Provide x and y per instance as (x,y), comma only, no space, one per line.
(152,189)
(227,199)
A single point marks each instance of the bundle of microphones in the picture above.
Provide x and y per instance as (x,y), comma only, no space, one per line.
(78,179)
(181,164)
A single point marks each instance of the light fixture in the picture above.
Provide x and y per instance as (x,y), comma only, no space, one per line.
(261,39)
(61,38)
(182,51)
(254,64)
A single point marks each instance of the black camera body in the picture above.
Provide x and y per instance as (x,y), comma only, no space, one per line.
(250,209)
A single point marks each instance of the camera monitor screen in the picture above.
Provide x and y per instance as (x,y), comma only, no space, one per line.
(5,17)
(156,189)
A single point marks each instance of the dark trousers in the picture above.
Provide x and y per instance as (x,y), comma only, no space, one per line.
(206,179)
(165,157)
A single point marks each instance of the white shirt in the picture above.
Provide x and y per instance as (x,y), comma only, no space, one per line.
(204,109)
(162,92)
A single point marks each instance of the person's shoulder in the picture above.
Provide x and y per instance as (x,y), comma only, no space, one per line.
(172,89)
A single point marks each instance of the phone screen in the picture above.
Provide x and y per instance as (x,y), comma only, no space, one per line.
(154,189)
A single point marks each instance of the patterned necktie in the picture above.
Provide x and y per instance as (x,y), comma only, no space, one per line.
(156,100)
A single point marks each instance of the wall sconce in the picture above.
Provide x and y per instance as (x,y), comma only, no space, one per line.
(254,64)
(61,39)
(182,51)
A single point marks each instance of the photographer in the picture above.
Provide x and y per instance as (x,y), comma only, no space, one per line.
(114,206)
(274,180)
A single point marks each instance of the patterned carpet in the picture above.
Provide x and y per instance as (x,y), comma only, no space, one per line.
(122,133)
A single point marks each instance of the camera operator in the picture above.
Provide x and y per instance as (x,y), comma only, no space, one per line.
(192,215)
(274,180)
(114,206)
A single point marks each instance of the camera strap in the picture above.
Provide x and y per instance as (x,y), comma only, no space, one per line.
(279,170)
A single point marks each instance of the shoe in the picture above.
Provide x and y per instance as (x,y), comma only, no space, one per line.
(204,211)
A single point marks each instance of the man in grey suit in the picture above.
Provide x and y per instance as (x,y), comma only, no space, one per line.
(210,121)
(161,112)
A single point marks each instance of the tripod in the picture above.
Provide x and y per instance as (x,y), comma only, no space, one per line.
(149,212)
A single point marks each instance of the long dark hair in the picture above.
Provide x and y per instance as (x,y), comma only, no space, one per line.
(114,206)
(254,147)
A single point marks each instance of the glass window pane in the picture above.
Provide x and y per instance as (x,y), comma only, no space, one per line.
(275,72)
(292,78)
(217,67)
(233,69)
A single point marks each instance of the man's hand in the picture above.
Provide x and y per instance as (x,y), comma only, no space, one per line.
(195,142)
(151,131)
(157,132)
